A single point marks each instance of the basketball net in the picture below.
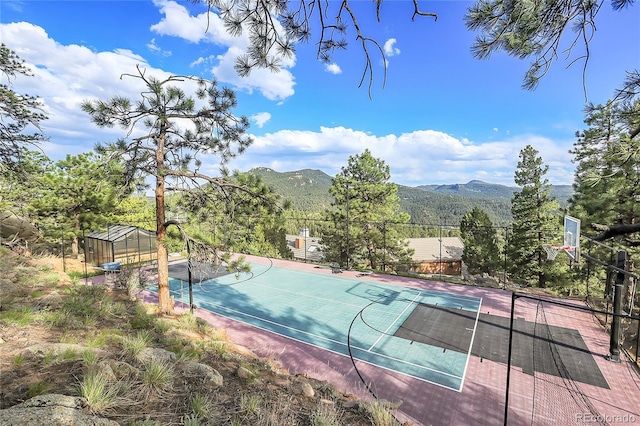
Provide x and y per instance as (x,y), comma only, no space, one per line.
(552,250)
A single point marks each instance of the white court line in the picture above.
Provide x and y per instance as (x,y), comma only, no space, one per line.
(401,361)
(394,321)
(418,291)
(473,336)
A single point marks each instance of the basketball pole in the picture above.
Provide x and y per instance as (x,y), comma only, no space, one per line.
(506,398)
(614,343)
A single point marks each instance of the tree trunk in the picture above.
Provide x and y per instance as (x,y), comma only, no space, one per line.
(165,302)
(74,243)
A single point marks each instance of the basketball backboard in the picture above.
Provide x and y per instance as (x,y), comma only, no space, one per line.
(572,237)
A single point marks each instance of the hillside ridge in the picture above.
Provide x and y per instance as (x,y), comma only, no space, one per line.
(308,189)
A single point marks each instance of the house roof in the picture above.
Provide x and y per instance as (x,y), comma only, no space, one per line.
(117,232)
(310,249)
(430,249)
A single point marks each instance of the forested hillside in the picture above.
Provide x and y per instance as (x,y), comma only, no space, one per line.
(307,189)
(479,189)
(427,204)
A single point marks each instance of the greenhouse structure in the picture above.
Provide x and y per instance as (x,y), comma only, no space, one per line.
(120,243)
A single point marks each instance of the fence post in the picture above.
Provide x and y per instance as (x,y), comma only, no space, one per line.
(506,397)
(614,344)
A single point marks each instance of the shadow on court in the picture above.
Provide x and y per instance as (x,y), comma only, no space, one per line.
(180,271)
(564,355)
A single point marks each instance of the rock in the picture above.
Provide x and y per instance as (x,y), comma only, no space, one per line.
(52,410)
(305,389)
(8,286)
(156,354)
(122,370)
(106,371)
(58,349)
(52,300)
(206,373)
(244,373)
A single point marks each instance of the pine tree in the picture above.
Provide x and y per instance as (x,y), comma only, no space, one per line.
(481,253)
(607,177)
(79,192)
(175,133)
(19,113)
(534,219)
(366,203)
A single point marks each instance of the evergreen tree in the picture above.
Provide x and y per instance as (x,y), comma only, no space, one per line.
(77,193)
(175,134)
(607,177)
(19,113)
(535,220)
(366,203)
(253,225)
(481,253)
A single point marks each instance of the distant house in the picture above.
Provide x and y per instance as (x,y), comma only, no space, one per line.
(437,256)
(305,247)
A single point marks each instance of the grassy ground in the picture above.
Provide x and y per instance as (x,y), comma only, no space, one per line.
(56,335)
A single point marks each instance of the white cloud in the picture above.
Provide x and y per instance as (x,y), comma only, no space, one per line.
(261,118)
(418,157)
(273,86)
(390,49)
(155,48)
(208,27)
(66,75)
(205,27)
(333,68)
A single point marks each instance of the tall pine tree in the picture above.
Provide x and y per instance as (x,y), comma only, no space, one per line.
(535,220)
(481,253)
(365,206)
(607,177)
(167,134)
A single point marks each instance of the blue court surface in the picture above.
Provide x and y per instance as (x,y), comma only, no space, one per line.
(348,316)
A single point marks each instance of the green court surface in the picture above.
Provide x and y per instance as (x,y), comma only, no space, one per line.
(366,320)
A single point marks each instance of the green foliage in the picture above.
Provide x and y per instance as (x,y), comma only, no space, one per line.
(530,29)
(99,392)
(481,253)
(307,189)
(169,152)
(250,404)
(535,221)
(20,315)
(18,112)
(365,203)
(200,405)
(607,182)
(38,388)
(157,376)
(248,217)
(18,360)
(132,346)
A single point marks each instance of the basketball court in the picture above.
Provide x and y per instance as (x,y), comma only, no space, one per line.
(450,354)
(344,315)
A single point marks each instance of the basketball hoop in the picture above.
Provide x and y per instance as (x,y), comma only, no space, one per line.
(552,250)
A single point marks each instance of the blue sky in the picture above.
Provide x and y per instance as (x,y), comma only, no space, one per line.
(443,116)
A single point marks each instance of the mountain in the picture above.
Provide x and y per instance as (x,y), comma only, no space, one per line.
(427,204)
(307,189)
(479,189)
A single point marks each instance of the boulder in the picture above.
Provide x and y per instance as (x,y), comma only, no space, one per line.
(52,410)
(202,371)
(156,354)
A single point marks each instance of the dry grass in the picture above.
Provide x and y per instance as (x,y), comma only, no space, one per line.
(142,393)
